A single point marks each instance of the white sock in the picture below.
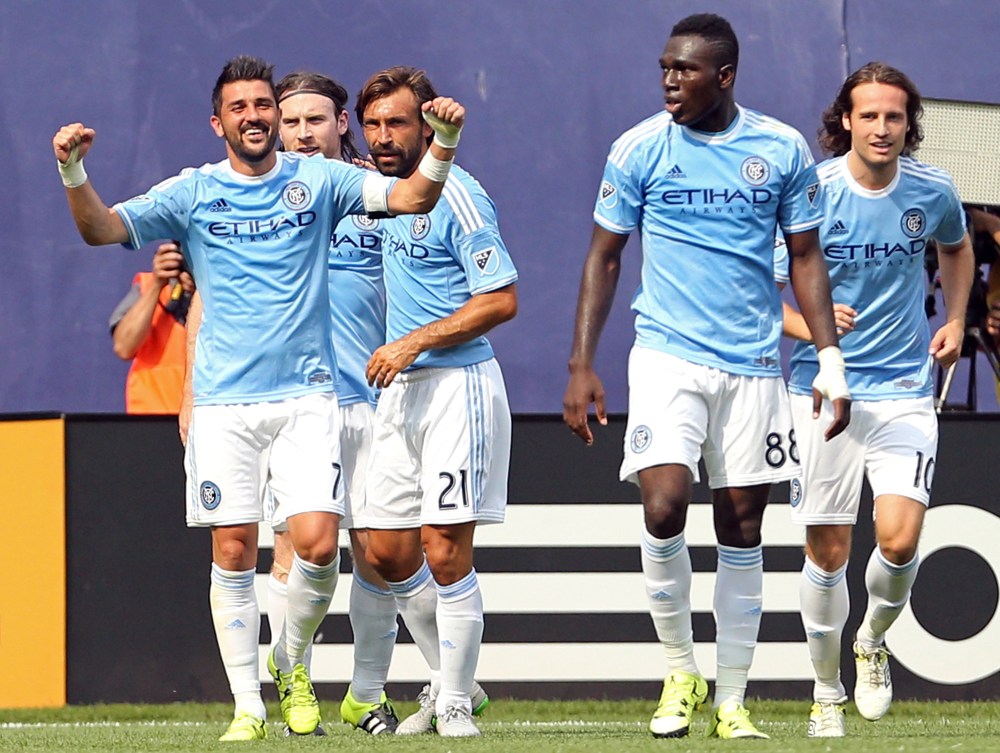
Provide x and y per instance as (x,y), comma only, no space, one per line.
(373,621)
(460,630)
(236,618)
(825,604)
(666,565)
(888,591)
(416,599)
(738,600)
(310,589)
(277,603)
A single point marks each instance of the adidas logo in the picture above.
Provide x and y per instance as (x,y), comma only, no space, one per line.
(676,172)
(236,624)
(839,228)
(220,206)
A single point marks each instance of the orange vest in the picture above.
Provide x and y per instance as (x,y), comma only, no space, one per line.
(155,381)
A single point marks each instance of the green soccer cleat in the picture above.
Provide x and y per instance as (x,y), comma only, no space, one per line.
(373,718)
(683,693)
(873,689)
(731,721)
(479,699)
(245,727)
(828,719)
(296,696)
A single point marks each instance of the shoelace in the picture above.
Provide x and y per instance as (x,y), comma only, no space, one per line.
(877,664)
(455,713)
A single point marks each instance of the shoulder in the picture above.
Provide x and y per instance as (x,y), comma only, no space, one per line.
(464,199)
(932,178)
(191,176)
(639,137)
(779,132)
(830,171)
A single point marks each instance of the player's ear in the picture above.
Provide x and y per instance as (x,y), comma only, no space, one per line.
(845,121)
(726,76)
(343,122)
(216,125)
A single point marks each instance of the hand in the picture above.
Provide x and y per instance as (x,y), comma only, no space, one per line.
(446,117)
(993,321)
(831,383)
(168,263)
(388,360)
(72,142)
(946,345)
(584,388)
(843,318)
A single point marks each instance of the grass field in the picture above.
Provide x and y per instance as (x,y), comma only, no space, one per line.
(538,727)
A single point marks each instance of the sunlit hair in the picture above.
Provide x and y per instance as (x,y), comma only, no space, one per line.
(384,83)
(715,30)
(317,83)
(242,68)
(834,138)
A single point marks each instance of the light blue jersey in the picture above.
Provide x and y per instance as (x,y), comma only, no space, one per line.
(258,249)
(708,206)
(436,262)
(874,244)
(357,303)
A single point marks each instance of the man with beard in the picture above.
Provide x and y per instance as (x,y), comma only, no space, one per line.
(442,426)
(255,230)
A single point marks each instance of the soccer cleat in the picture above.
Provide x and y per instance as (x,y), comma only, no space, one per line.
(828,719)
(731,721)
(296,696)
(456,721)
(683,693)
(479,699)
(245,727)
(420,722)
(318,732)
(873,689)
(373,718)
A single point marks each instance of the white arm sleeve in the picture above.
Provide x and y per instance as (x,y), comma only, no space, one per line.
(375,193)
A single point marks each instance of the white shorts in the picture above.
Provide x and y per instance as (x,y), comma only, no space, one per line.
(893,441)
(681,411)
(233,451)
(440,449)
(355,443)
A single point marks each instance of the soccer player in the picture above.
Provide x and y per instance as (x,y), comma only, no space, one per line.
(881,208)
(255,230)
(314,121)
(707,182)
(442,426)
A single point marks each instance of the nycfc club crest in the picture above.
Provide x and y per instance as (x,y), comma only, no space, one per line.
(913,222)
(420,227)
(640,439)
(609,195)
(296,195)
(364,222)
(755,171)
(796,492)
(210,495)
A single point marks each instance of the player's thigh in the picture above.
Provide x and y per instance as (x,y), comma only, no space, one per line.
(304,465)
(465,450)
(832,471)
(667,413)
(750,437)
(902,448)
(392,478)
(355,447)
(225,461)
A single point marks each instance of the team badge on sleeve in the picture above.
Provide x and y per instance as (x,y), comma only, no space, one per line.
(812,192)
(609,195)
(755,170)
(420,226)
(913,223)
(296,195)
(487,260)
(210,495)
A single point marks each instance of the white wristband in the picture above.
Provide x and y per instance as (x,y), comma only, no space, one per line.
(433,168)
(831,357)
(72,172)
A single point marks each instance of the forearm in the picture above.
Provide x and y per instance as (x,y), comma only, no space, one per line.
(418,193)
(597,294)
(134,327)
(957,268)
(811,284)
(193,324)
(794,324)
(479,315)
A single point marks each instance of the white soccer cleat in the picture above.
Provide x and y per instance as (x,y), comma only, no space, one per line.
(421,722)
(456,721)
(828,719)
(873,689)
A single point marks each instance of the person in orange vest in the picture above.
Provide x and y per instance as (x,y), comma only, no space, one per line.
(147,327)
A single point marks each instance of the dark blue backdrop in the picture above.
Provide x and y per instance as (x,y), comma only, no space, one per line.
(548,86)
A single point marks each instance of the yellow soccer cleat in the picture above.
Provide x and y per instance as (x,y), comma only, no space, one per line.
(683,693)
(731,721)
(245,727)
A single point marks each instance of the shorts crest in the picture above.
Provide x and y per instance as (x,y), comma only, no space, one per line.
(640,439)
(210,495)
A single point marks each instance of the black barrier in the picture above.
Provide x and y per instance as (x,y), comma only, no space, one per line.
(139,628)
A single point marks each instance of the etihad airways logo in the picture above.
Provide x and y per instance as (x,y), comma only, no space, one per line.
(262,229)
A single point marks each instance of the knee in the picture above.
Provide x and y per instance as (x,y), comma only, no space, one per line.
(320,552)
(233,554)
(898,549)
(448,561)
(665,513)
(829,547)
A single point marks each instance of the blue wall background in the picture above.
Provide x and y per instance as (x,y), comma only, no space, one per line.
(548,84)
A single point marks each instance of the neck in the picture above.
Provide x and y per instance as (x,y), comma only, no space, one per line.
(872,177)
(243,167)
(719,119)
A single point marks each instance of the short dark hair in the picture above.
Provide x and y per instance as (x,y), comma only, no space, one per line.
(384,83)
(317,83)
(715,30)
(834,138)
(241,68)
